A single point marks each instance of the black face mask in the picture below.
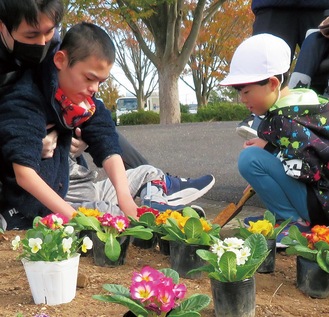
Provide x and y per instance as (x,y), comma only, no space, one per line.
(30,53)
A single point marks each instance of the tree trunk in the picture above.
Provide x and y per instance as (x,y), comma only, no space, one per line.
(168,96)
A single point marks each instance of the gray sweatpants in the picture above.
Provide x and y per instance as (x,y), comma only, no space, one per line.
(85,191)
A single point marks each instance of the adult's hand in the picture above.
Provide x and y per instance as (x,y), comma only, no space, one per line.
(49,143)
(78,146)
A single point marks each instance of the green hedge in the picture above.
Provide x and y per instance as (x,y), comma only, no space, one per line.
(218,112)
(140,117)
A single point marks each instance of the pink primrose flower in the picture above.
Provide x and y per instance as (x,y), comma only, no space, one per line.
(166,297)
(120,223)
(147,274)
(142,291)
(179,291)
(105,220)
(54,221)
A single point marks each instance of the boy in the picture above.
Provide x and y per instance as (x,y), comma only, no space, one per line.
(72,78)
(293,183)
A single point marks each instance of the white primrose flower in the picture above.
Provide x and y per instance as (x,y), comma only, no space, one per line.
(35,244)
(234,243)
(244,255)
(16,242)
(69,230)
(67,243)
(87,244)
(218,249)
(241,255)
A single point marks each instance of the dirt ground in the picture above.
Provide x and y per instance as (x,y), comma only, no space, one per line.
(277,294)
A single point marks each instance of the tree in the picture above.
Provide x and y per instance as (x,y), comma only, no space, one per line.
(164,20)
(215,46)
(137,68)
(170,50)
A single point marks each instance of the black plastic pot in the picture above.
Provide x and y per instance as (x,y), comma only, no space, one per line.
(183,258)
(144,244)
(101,259)
(164,246)
(234,299)
(268,266)
(311,279)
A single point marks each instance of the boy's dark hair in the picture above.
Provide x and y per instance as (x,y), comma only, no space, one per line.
(283,78)
(86,39)
(12,12)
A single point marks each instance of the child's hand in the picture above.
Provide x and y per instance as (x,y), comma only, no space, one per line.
(255,142)
(78,146)
(129,207)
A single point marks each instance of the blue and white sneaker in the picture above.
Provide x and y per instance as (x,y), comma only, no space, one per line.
(182,191)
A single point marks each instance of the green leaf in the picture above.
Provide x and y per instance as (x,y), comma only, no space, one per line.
(171,273)
(322,259)
(173,231)
(244,233)
(138,232)
(257,244)
(193,228)
(279,229)
(269,217)
(296,235)
(175,313)
(190,212)
(117,289)
(112,248)
(133,306)
(227,265)
(87,222)
(195,302)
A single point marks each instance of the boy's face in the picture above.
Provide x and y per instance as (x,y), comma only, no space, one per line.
(83,78)
(259,99)
(28,34)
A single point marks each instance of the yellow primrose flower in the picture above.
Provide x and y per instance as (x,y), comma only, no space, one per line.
(263,227)
(89,212)
(87,244)
(182,222)
(35,244)
(15,243)
(162,217)
(205,225)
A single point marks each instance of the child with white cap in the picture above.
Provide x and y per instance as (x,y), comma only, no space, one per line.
(288,164)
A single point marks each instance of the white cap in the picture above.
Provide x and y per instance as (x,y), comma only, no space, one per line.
(257,58)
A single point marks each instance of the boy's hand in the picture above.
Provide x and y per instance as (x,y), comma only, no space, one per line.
(129,207)
(49,143)
(78,146)
(255,142)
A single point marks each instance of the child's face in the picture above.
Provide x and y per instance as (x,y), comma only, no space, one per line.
(83,78)
(259,99)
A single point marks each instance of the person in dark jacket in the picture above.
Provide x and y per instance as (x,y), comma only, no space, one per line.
(287,164)
(288,19)
(64,97)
